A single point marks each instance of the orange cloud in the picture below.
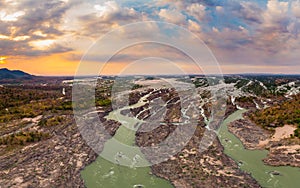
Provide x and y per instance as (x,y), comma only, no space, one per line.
(2,60)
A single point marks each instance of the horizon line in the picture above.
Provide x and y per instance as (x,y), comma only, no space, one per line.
(187,74)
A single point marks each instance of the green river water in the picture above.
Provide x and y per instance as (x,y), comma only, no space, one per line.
(105,174)
(122,171)
(251,160)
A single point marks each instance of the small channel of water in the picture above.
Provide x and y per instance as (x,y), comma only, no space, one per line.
(123,171)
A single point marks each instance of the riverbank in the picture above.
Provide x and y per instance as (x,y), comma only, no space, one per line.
(190,167)
(250,134)
(251,161)
(50,163)
(120,163)
(283,150)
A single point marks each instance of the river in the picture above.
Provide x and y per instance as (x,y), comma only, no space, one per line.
(103,173)
(122,172)
(251,160)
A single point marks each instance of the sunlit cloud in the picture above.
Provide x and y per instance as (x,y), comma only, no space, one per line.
(42,44)
(10,17)
(242,34)
(172,16)
(2,60)
(39,33)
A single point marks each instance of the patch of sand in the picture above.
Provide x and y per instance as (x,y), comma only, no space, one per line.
(283,132)
(280,133)
(263,143)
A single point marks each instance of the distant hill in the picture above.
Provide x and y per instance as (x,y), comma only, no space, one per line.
(13,74)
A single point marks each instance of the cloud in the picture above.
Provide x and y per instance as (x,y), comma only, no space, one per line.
(276,14)
(37,20)
(229,39)
(172,16)
(250,12)
(22,48)
(134,53)
(248,32)
(107,16)
(219,8)
(11,17)
(196,10)
(110,11)
(296,8)
(278,28)
(193,26)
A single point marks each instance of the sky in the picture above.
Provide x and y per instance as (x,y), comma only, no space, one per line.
(56,37)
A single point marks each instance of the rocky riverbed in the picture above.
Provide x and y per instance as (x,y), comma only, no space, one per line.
(190,167)
(53,162)
(249,133)
(283,150)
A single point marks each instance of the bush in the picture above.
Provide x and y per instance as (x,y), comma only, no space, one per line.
(103,102)
(21,138)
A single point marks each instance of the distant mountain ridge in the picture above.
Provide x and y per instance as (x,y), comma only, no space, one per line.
(13,74)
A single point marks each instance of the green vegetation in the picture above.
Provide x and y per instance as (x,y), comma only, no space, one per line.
(30,101)
(256,89)
(45,108)
(269,87)
(149,78)
(21,138)
(16,96)
(53,121)
(230,79)
(66,105)
(24,111)
(276,116)
(103,102)
(297,131)
(33,109)
(136,86)
(103,92)
(245,99)
(241,83)
(200,82)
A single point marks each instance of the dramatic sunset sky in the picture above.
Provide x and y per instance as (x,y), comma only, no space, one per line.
(49,37)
